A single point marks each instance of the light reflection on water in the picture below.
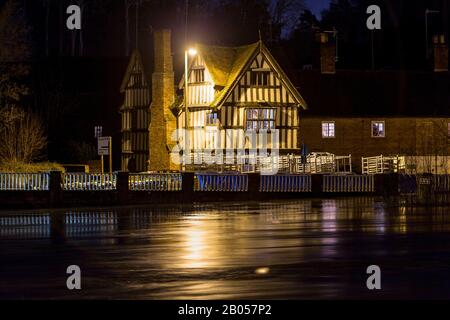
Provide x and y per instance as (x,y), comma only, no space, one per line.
(284,249)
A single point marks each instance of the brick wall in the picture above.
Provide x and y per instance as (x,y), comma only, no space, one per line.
(162,120)
(403,136)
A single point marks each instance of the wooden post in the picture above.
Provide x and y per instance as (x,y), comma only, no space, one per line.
(110,155)
(103,164)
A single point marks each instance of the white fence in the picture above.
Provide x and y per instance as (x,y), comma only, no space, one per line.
(348,183)
(285,183)
(313,163)
(382,164)
(220,182)
(155,182)
(24,181)
(89,181)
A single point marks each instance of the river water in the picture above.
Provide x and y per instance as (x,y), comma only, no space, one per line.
(296,249)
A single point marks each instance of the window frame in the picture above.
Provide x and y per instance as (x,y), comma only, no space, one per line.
(334,129)
(215,115)
(198,72)
(372,127)
(257,77)
(259,120)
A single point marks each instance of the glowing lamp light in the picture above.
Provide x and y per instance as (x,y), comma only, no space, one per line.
(262,270)
(192,52)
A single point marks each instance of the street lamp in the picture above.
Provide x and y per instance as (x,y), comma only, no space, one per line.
(427,12)
(190,52)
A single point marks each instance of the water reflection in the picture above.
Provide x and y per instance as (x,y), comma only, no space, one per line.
(285,249)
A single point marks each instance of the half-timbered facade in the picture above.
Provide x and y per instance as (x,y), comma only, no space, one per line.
(134,115)
(238,90)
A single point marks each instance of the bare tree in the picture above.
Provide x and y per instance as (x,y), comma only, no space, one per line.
(22,137)
(14,51)
(285,14)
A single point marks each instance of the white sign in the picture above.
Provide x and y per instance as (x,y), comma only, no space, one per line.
(103,146)
(98,131)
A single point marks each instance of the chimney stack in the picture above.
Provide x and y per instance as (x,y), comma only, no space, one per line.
(162,120)
(327,53)
(440,53)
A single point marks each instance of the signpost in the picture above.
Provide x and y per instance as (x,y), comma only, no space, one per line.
(105,149)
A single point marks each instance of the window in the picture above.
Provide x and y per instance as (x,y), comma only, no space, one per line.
(328,129)
(260,78)
(198,75)
(378,129)
(137,80)
(262,118)
(212,119)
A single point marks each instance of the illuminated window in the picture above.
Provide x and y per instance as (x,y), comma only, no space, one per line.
(378,129)
(261,118)
(212,119)
(260,78)
(328,129)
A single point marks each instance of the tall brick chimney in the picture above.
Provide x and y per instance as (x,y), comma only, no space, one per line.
(162,120)
(440,54)
(327,54)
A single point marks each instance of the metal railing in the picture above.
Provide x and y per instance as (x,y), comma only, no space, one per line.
(24,181)
(348,183)
(220,182)
(89,181)
(285,183)
(247,163)
(155,182)
(382,164)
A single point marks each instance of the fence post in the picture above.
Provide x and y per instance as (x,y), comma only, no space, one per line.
(253,186)
(54,188)
(317,184)
(379,181)
(187,186)
(122,187)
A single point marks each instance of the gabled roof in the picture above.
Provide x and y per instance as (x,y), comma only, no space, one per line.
(224,63)
(227,64)
(136,58)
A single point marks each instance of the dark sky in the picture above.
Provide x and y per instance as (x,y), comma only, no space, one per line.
(317,6)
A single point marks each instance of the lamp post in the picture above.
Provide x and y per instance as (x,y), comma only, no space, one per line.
(427,12)
(190,52)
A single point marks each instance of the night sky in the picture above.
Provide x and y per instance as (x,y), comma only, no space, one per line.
(317,6)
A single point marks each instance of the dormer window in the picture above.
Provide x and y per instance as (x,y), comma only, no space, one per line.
(198,75)
(259,78)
